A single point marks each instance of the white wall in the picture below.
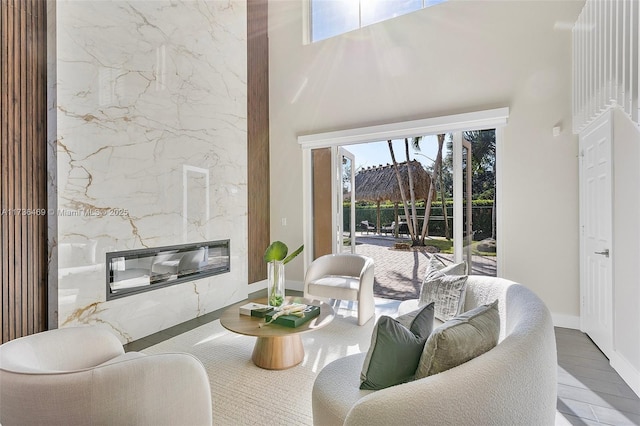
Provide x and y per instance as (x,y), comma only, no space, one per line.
(145,88)
(626,248)
(459,56)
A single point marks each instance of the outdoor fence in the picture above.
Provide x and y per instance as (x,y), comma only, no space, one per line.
(481,217)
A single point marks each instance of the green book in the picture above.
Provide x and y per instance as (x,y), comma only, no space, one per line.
(293,320)
(261,312)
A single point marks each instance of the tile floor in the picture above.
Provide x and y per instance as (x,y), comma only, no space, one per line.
(590,392)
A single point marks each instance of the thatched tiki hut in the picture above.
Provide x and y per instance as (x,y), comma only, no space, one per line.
(378,184)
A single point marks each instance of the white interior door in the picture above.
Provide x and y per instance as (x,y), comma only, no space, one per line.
(346,238)
(596,314)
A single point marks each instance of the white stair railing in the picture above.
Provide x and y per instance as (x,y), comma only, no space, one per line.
(606,46)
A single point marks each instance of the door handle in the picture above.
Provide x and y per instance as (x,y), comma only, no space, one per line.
(605,252)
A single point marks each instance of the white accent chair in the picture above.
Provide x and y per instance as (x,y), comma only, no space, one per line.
(82,376)
(343,277)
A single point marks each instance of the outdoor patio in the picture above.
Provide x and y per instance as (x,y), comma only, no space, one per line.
(399,273)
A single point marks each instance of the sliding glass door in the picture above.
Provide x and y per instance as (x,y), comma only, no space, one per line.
(475,229)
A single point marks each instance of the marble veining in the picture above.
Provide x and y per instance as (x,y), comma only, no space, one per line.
(146,90)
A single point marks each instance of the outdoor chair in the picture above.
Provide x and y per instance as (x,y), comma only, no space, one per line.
(366,227)
(343,277)
(389,229)
(403,228)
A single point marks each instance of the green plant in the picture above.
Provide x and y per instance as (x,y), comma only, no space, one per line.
(277,252)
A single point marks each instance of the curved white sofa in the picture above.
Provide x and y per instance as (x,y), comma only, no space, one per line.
(82,376)
(515,383)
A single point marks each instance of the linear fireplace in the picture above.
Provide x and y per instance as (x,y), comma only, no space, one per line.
(136,271)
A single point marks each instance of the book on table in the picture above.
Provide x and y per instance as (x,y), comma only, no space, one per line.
(310,312)
(253,309)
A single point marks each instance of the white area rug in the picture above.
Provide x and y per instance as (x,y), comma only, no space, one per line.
(243,394)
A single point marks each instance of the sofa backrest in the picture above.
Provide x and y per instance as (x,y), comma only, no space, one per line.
(65,349)
(513,383)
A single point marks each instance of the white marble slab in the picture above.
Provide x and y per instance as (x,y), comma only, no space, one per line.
(151,151)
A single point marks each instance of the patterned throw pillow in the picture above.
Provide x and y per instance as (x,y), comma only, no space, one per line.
(396,348)
(436,265)
(459,340)
(447,291)
(446,286)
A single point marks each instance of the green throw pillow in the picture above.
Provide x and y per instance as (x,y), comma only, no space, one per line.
(396,347)
(460,340)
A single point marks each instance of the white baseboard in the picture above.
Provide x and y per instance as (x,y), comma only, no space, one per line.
(566,321)
(627,371)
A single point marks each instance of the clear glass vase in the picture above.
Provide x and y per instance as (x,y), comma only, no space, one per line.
(275,283)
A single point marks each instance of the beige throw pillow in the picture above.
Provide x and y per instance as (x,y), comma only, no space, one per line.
(460,340)
(437,265)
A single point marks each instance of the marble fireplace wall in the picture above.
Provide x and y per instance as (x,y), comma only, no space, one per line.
(151,151)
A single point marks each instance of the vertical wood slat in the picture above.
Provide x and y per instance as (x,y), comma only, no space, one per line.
(257,138)
(4,166)
(23,191)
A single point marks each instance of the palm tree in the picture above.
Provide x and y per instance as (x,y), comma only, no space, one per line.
(401,184)
(437,170)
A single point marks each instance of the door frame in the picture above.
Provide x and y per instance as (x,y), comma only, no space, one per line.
(479,120)
(339,197)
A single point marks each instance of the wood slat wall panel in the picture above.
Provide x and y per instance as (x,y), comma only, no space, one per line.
(257,138)
(23,191)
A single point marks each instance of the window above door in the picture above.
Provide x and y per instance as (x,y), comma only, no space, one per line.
(329,18)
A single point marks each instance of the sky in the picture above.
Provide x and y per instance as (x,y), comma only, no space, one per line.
(376,153)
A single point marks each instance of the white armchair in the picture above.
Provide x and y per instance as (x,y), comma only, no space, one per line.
(343,277)
(82,376)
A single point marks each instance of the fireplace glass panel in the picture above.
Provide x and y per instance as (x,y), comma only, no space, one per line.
(135,271)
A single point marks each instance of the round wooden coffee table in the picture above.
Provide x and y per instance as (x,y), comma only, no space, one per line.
(277,347)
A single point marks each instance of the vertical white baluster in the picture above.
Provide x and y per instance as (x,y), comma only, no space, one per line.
(584,34)
(623,82)
(616,43)
(574,78)
(592,62)
(601,55)
(633,60)
(619,51)
(609,63)
(581,71)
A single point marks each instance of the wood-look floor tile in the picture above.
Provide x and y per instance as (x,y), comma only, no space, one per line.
(599,399)
(576,408)
(615,417)
(612,388)
(578,361)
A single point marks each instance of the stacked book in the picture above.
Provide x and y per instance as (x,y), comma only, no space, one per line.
(258,310)
(309,312)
